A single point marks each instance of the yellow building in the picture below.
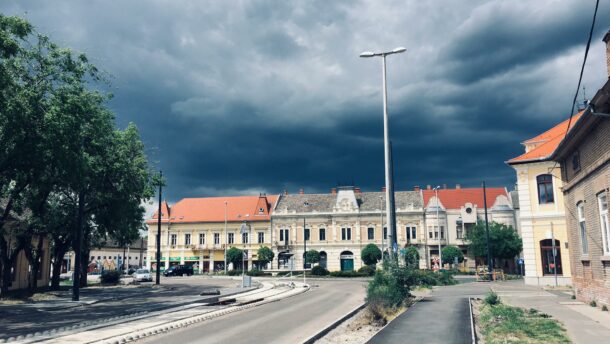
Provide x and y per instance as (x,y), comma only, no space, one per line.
(197,231)
(542,214)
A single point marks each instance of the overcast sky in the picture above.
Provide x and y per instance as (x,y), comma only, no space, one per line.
(241,97)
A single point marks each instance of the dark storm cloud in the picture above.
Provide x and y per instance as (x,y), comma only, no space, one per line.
(258,96)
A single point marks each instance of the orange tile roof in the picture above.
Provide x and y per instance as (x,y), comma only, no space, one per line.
(212,209)
(545,143)
(456,198)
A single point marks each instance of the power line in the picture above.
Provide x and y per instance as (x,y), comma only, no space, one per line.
(582,69)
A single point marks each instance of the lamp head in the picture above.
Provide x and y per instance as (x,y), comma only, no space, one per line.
(367,54)
(399,50)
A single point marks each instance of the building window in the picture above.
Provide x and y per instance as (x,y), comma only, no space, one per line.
(584,242)
(545,188)
(442,232)
(411,233)
(307,237)
(216,238)
(322,234)
(602,201)
(187,239)
(201,238)
(385,233)
(261,210)
(459,231)
(231,238)
(284,236)
(261,237)
(174,239)
(576,162)
(371,233)
(346,234)
(244,238)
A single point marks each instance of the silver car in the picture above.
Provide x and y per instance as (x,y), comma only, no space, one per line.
(142,275)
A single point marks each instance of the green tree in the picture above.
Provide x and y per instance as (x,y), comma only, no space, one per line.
(412,257)
(450,253)
(371,254)
(235,256)
(504,241)
(265,255)
(312,257)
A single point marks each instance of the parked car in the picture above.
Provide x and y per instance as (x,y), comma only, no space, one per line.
(178,270)
(142,275)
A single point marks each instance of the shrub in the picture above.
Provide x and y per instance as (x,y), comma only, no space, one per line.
(492,299)
(386,290)
(345,274)
(593,303)
(283,273)
(412,257)
(604,308)
(234,273)
(110,277)
(256,272)
(319,271)
(367,270)
(370,254)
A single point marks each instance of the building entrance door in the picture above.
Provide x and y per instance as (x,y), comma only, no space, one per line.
(548,265)
(347,261)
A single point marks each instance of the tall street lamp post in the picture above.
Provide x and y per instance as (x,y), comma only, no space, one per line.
(225,235)
(489,262)
(389,185)
(159,215)
(438,227)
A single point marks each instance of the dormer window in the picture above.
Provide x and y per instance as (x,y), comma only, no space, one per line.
(261,210)
(545,189)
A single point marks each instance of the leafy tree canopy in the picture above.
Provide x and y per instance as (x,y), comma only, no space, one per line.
(235,256)
(449,254)
(265,255)
(312,256)
(504,240)
(371,254)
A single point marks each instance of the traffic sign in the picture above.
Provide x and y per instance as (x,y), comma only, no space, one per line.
(520,261)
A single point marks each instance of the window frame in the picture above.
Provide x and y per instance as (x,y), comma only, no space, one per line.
(201,238)
(370,234)
(582,228)
(545,180)
(245,238)
(231,238)
(322,234)
(173,239)
(604,226)
(346,233)
(216,236)
(187,239)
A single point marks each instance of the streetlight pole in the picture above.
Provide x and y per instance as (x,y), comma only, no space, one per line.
(391,220)
(438,227)
(159,215)
(225,235)
(382,232)
(304,250)
(489,262)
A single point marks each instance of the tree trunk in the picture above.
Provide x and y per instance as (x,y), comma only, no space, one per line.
(84,265)
(35,262)
(58,259)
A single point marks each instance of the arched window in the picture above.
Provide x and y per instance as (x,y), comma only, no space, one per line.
(545,188)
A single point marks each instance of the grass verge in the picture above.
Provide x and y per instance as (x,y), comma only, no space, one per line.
(502,323)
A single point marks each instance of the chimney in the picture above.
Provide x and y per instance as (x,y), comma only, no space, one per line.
(607,41)
(333,191)
(301,191)
(428,187)
(383,189)
(357,190)
(458,186)
(416,188)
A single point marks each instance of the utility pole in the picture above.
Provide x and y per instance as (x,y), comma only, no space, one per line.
(225,245)
(77,245)
(554,253)
(304,249)
(489,262)
(382,232)
(159,216)
(438,227)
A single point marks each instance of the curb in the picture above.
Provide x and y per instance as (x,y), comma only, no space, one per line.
(472,330)
(334,325)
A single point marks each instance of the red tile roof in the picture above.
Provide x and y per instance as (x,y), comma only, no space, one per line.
(457,198)
(545,143)
(212,209)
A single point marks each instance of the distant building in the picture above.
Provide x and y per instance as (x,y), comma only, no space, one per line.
(542,212)
(339,224)
(193,231)
(459,210)
(20,270)
(584,156)
(111,256)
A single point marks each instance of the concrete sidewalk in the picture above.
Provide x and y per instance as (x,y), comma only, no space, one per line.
(441,317)
(585,324)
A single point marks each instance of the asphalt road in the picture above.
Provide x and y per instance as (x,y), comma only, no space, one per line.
(23,319)
(442,317)
(290,320)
